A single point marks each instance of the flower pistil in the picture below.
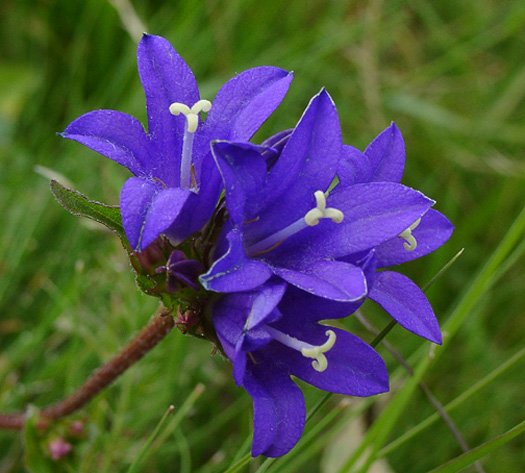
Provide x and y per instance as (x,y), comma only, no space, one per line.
(192,119)
(310,219)
(317,352)
(410,241)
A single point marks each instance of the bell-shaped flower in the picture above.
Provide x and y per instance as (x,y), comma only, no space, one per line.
(285,222)
(383,161)
(176,184)
(267,341)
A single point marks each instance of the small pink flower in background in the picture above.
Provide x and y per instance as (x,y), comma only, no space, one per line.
(59,448)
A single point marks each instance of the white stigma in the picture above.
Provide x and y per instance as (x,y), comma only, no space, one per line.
(309,220)
(192,118)
(410,241)
(320,362)
(320,211)
(192,114)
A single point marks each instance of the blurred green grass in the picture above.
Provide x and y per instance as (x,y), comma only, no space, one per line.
(451,75)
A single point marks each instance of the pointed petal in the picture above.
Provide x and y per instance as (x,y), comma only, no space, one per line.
(148,209)
(238,110)
(373,214)
(386,155)
(407,304)
(115,135)
(354,167)
(275,144)
(229,316)
(243,171)
(244,103)
(307,164)
(164,209)
(235,271)
(432,232)
(264,304)
(278,409)
(135,200)
(354,368)
(166,79)
(329,279)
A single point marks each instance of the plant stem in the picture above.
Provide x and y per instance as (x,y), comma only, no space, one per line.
(155,330)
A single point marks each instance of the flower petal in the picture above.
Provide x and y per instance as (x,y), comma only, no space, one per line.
(264,304)
(314,308)
(166,79)
(373,214)
(243,171)
(275,146)
(406,303)
(148,209)
(115,135)
(432,232)
(229,316)
(164,209)
(234,271)
(135,200)
(278,409)
(334,280)
(244,103)
(238,110)
(307,164)
(354,368)
(386,155)
(354,167)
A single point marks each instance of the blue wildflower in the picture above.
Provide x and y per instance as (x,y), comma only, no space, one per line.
(268,340)
(383,161)
(296,252)
(176,184)
(284,222)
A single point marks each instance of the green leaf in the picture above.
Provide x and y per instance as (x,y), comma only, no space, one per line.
(79,205)
(458,463)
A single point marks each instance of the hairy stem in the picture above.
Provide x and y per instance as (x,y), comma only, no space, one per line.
(155,330)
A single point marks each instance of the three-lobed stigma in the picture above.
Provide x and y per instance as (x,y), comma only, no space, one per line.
(310,219)
(192,119)
(320,211)
(192,114)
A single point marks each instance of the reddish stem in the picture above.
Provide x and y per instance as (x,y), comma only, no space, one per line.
(156,329)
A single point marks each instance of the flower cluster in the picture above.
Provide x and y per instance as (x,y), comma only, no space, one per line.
(299,237)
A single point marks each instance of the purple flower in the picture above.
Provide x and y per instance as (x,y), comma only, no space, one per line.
(293,254)
(267,340)
(283,223)
(383,161)
(176,184)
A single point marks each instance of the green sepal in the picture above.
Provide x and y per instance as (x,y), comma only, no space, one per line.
(146,284)
(79,205)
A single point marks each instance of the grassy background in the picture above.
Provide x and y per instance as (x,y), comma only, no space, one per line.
(450,73)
